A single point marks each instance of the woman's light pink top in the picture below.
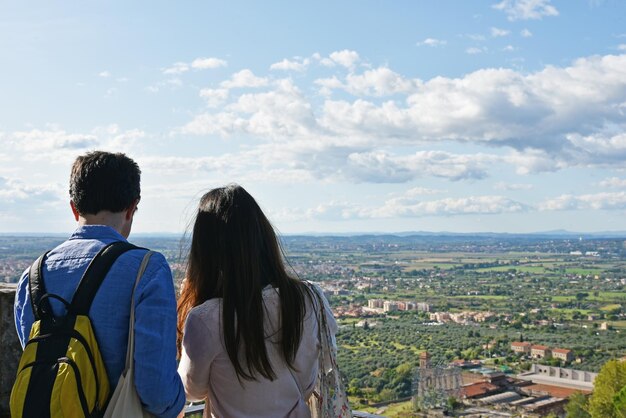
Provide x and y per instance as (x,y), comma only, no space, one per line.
(207,372)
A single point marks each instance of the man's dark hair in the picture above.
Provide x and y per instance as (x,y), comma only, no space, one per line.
(104,181)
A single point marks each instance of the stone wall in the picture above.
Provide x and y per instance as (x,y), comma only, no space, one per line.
(563,373)
(10,349)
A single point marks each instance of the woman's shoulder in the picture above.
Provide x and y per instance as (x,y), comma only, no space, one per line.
(206,310)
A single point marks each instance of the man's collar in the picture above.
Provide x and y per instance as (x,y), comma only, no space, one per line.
(97,232)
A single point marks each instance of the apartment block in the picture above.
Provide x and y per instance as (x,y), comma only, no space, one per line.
(563,354)
(540,351)
(521,347)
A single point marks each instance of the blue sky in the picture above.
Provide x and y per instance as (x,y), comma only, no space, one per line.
(338,116)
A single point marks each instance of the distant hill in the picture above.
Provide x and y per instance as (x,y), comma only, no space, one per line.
(557,233)
(560,233)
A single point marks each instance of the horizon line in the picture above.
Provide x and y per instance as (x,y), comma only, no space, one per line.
(559,232)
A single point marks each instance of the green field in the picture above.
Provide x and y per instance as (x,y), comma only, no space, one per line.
(611,307)
(395,410)
(618,324)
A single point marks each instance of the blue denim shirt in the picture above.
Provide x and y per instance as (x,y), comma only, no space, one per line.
(156,379)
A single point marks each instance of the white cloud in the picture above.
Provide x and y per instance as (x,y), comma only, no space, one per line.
(42,141)
(379,82)
(533,161)
(214,97)
(613,183)
(546,121)
(250,165)
(208,63)
(498,33)
(244,78)
(177,68)
(526,9)
(421,191)
(332,211)
(526,33)
(408,206)
(509,48)
(171,83)
(277,114)
(512,186)
(432,42)
(621,47)
(598,148)
(328,85)
(14,191)
(475,50)
(471,205)
(327,62)
(537,110)
(379,166)
(597,201)
(125,141)
(104,74)
(53,145)
(197,64)
(297,64)
(345,58)
(172,165)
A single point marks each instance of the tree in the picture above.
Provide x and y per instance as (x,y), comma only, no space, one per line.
(610,380)
(619,403)
(452,403)
(387,395)
(581,296)
(577,406)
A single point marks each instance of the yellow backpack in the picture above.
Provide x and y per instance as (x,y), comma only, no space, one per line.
(61,373)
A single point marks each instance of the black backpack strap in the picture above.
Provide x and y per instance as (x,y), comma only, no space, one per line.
(37,288)
(94,275)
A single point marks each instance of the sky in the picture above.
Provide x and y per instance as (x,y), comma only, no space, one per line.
(338,116)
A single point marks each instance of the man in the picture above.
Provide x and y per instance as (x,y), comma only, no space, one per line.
(104,193)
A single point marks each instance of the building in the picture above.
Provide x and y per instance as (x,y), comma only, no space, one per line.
(540,351)
(422,306)
(490,345)
(479,390)
(375,303)
(435,384)
(505,398)
(521,347)
(390,306)
(560,376)
(440,316)
(563,354)
(483,316)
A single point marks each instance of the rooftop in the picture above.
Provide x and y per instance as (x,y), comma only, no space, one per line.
(554,391)
(540,347)
(477,389)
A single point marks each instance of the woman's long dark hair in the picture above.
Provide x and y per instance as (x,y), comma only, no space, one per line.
(234,254)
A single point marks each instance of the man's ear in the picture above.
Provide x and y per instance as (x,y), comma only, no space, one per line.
(131,210)
(74,210)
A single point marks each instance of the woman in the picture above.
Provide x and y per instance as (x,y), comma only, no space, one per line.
(250,342)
